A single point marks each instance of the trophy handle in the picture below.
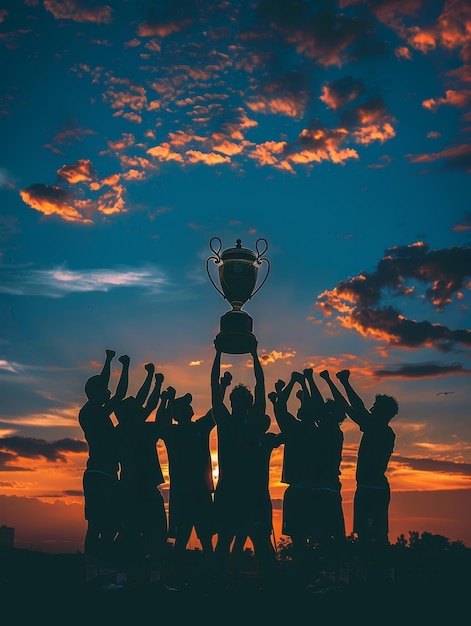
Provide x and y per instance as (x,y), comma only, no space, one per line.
(217,259)
(216,252)
(260,253)
(259,261)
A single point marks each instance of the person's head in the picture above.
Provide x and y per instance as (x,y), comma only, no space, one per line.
(334,413)
(384,407)
(182,409)
(241,398)
(95,389)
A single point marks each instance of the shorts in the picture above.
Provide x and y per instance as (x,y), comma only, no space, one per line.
(101,493)
(191,508)
(242,512)
(314,513)
(370,512)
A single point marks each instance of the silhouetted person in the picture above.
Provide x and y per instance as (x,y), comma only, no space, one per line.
(191,476)
(372,495)
(312,503)
(144,523)
(100,479)
(242,497)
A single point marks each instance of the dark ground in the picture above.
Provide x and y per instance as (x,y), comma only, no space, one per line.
(428,587)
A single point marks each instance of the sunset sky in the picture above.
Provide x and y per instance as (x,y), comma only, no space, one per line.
(134,132)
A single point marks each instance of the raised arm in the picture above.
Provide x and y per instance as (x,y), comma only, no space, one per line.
(260,400)
(106,369)
(225,381)
(145,387)
(279,399)
(284,391)
(217,397)
(164,414)
(314,397)
(357,404)
(153,399)
(336,394)
(122,388)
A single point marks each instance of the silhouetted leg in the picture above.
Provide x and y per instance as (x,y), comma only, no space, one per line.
(264,552)
(223,550)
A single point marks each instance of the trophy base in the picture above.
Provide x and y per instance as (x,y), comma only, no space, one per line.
(235,343)
(236,335)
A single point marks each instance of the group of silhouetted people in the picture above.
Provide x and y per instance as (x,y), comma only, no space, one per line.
(124,507)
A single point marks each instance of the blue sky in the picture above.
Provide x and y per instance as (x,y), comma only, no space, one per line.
(133,133)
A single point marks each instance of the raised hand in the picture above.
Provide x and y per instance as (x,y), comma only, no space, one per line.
(343,376)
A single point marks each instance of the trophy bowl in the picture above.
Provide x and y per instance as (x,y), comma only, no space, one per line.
(237,270)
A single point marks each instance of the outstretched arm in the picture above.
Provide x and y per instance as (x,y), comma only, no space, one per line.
(260,400)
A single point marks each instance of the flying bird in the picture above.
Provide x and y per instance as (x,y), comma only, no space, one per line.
(444,393)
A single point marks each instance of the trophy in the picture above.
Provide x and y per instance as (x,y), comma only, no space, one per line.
(238,275)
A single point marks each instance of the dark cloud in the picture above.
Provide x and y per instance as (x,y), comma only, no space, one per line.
(433,465)
(7,460)
(277,504)
(446,271)
(372,110)
(455,158)
(464,223)
(340,92)
(421,370)
(32,448)
(320,30)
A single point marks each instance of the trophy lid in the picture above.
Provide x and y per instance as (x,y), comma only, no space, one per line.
(238,253)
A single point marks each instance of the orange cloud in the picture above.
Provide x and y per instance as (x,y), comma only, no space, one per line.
(163,152)
(209,158)
(74,10)
(112,201)
(123,94)
(267,153)
(127,140)
(275,355)
(423,40)
(402,52)
(80,171)
(374,132)
(151,28)
(454,25)
(452,97)
(288,105)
